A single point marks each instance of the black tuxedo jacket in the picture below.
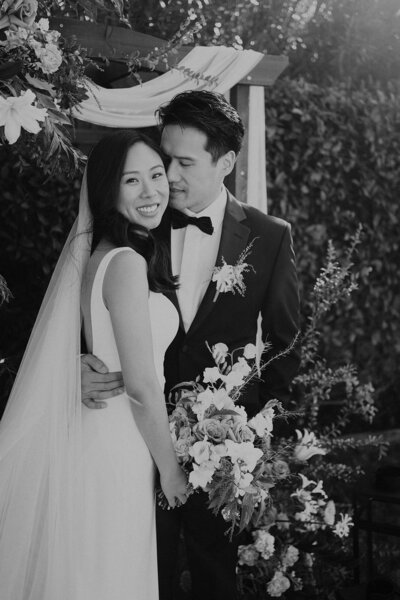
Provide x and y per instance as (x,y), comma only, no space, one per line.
(232,319)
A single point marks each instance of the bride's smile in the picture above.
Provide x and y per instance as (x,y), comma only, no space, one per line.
(143,190)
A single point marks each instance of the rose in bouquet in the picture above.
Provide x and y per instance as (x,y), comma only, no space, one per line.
(226,454)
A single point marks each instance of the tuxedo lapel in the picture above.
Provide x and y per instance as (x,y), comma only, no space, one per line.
(234,239)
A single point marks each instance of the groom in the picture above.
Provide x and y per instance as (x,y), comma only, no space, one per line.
(201,136)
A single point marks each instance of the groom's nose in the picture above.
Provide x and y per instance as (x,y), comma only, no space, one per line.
(172,172)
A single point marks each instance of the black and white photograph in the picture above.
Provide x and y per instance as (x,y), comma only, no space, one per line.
(199,299)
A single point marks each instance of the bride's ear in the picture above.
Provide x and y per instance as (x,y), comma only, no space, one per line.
(228,162)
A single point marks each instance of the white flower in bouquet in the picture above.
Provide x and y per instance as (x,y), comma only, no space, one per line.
(247,555)
(201,451)
(250,351)
(223,401)
(264,542)
(220,349)
(307,446)
(262,423)
(203,401)
(342,527)
(235,378)
(50,58)
(330,513)
(211,375)
(242,479)
(290,557)
(201,475)
(17,112)
(243,453)
(278,585)
(43,24)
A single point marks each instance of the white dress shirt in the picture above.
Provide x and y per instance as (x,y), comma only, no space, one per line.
(193,256)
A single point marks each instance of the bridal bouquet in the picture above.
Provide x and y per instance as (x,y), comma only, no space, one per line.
(225,454)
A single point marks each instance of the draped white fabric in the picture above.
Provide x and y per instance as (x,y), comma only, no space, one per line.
(256,170)
(220,68)
(40,435)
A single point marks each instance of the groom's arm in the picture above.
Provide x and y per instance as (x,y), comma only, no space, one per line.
(97,384)
(280,325)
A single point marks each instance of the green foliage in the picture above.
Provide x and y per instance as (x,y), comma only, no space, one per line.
(333,161)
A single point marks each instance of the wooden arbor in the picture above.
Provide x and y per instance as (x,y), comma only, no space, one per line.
(111,46)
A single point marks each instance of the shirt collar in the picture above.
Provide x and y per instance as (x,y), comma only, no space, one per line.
(215,210)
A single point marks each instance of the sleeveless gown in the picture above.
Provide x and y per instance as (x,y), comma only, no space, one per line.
(119,560)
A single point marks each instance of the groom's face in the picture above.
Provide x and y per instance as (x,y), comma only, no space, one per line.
(195,180)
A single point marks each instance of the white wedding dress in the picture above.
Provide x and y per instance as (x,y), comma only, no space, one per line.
(118,537)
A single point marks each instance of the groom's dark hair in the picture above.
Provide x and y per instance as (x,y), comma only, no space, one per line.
(209,112)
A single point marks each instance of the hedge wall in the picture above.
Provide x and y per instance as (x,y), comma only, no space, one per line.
(333,161)
(35,215)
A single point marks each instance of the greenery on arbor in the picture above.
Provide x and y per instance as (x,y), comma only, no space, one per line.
(346,40)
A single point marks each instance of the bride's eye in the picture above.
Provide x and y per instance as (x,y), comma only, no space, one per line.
(131,180)
(158,174)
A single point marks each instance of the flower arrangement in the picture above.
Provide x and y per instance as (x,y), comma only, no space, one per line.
(41,78)
(301,541)
(229,278)
(226,454)
(257,483)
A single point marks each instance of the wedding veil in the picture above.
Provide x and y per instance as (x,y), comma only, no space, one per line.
(40,440)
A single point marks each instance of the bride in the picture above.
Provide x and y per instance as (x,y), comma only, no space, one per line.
(77,507)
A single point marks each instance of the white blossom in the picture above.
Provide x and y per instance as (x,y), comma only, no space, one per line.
(307,446)
(262,423)
(17,112)
(201,475)
(211,375)
(50,58)
(290,557)
(264,542)
(342,527)
(329,513)
(278,585)
(249,351)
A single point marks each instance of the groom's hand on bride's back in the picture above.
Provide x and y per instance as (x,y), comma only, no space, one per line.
(97,383)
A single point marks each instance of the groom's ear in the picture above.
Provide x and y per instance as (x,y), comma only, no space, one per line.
(228,162)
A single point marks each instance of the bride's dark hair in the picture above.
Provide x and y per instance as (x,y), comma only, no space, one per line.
(104,172)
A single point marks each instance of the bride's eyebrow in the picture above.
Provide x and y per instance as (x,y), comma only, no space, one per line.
(136,172)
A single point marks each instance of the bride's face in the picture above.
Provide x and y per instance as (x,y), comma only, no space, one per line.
(143,189)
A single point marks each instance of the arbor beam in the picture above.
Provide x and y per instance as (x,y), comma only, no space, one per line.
(118,43)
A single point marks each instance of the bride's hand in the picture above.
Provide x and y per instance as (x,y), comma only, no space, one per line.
(174,486)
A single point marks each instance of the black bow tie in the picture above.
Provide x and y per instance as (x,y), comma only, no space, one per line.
(179,220)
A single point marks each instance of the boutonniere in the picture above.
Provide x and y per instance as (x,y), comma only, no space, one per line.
(229,278)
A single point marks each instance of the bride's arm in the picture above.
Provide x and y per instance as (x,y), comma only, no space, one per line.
(126,295)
